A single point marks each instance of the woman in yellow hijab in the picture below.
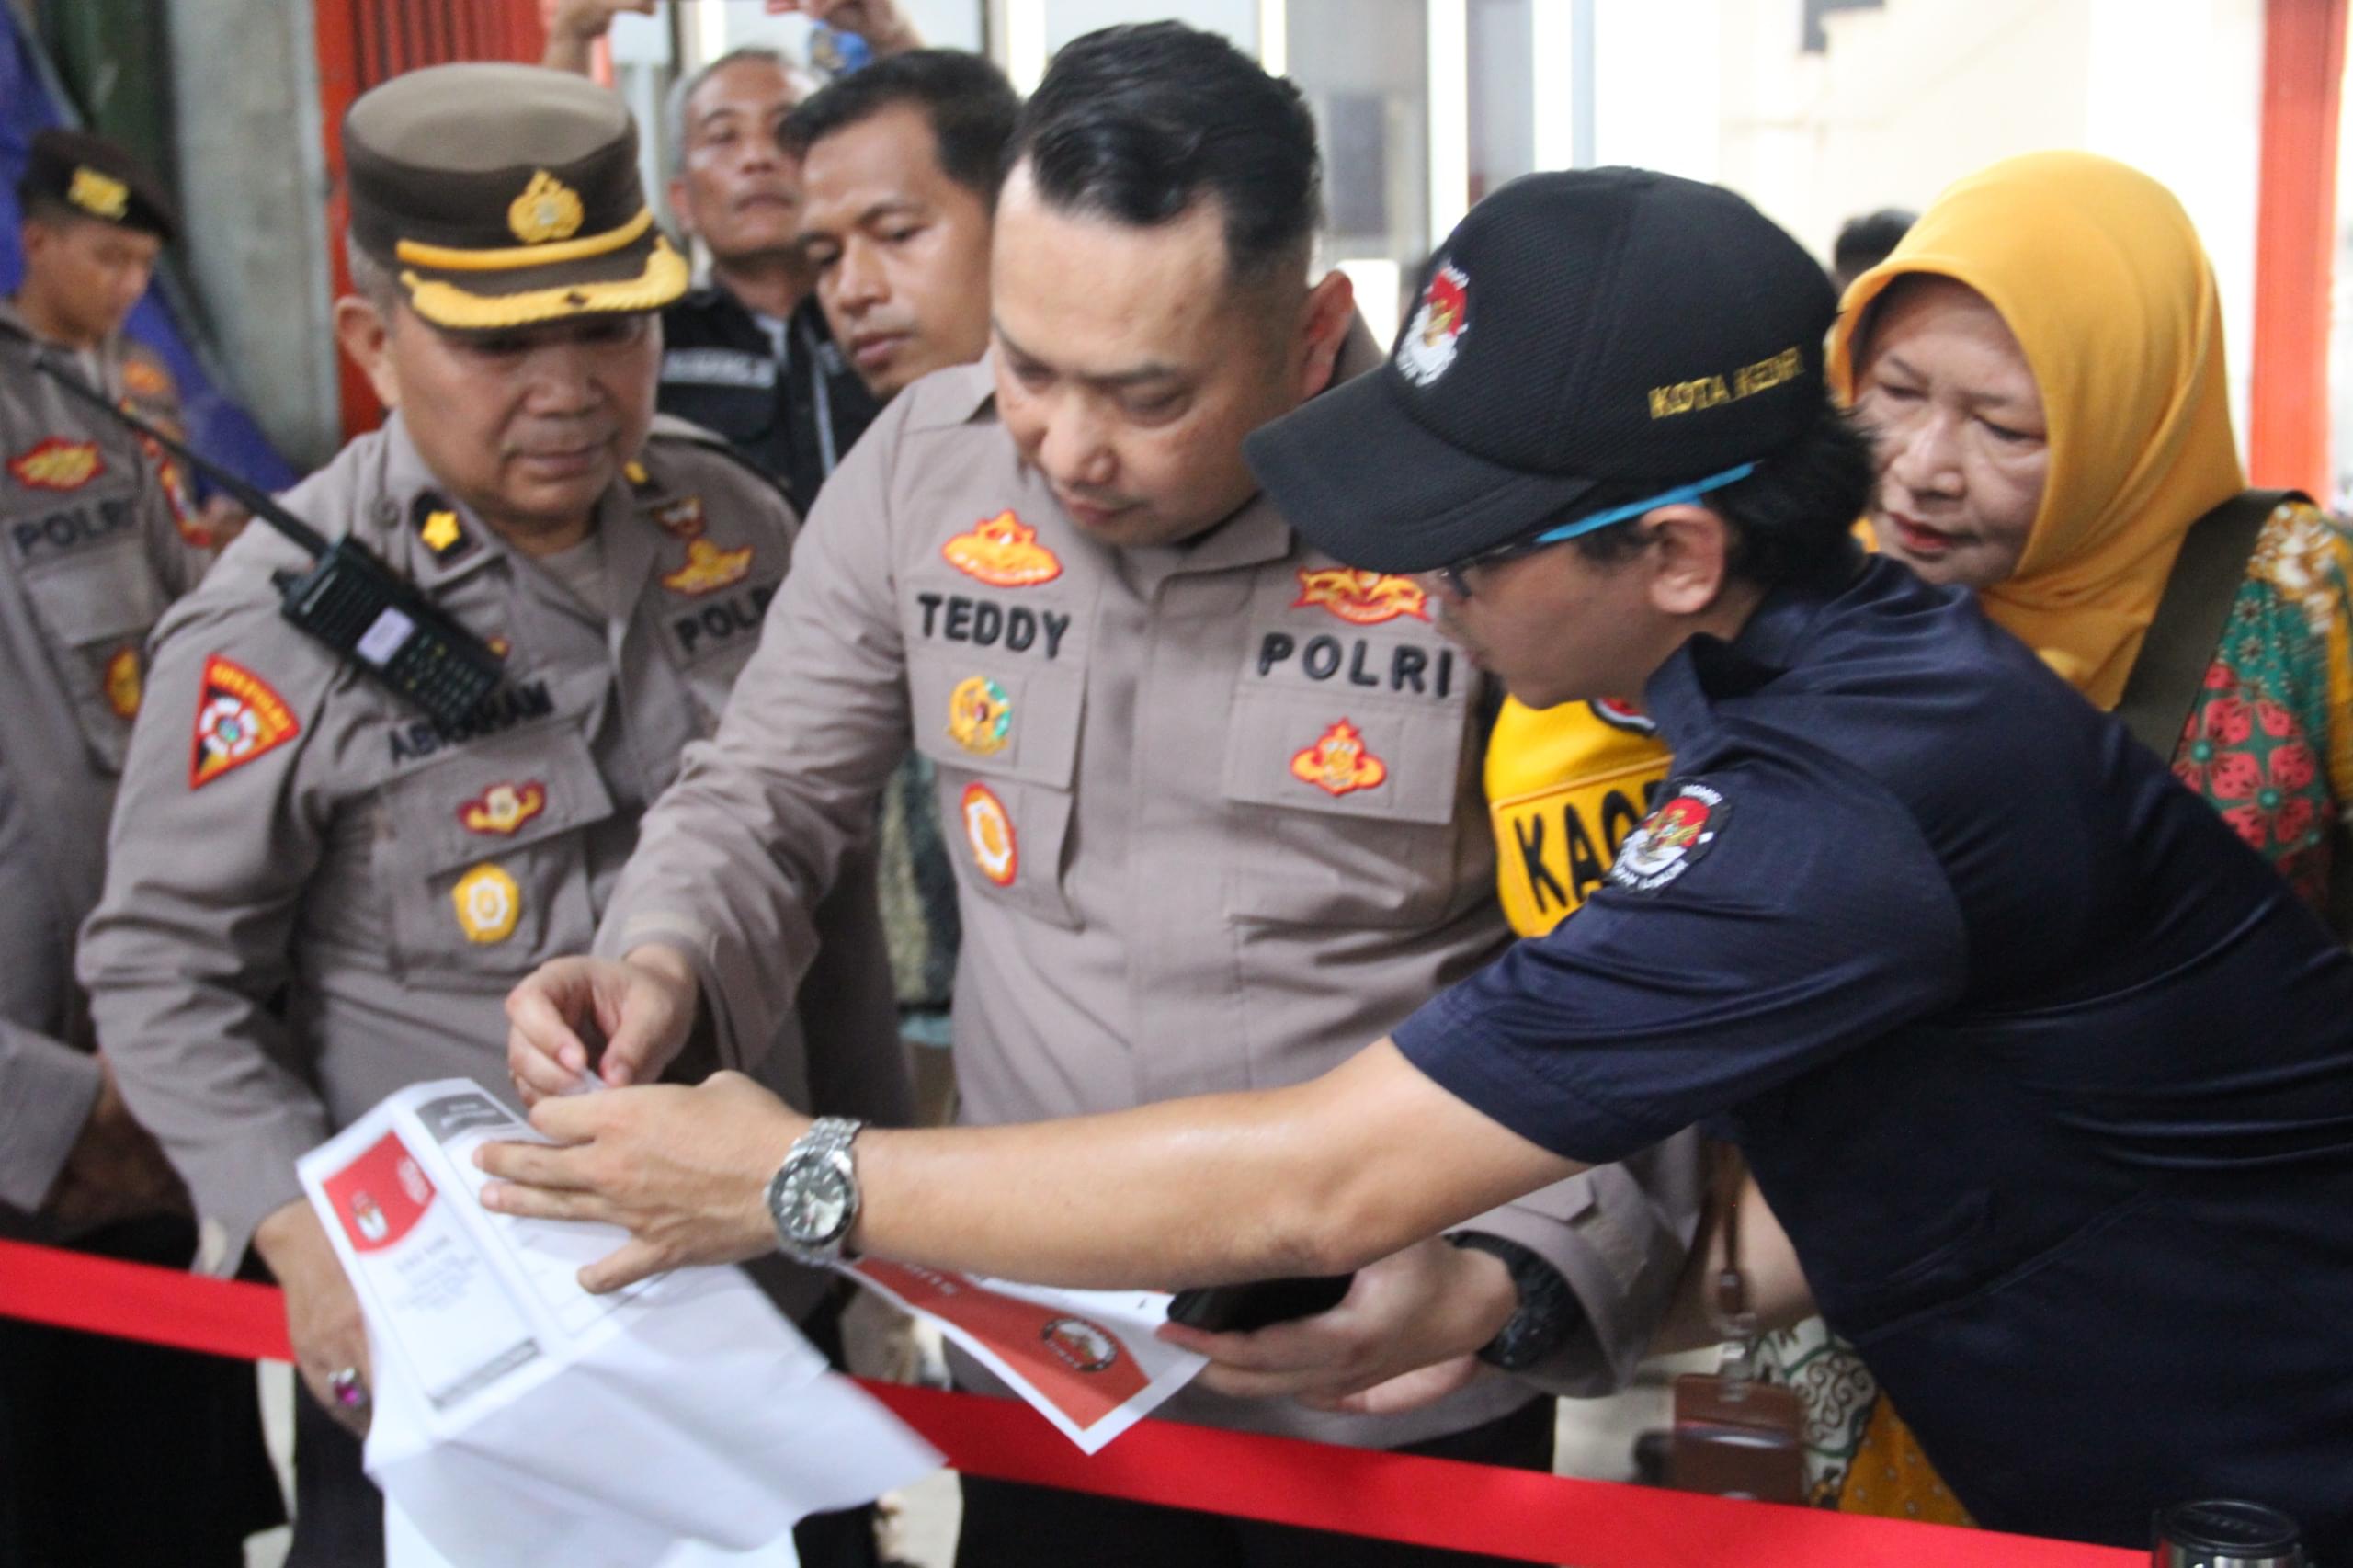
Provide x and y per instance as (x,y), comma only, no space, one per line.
(2040,363)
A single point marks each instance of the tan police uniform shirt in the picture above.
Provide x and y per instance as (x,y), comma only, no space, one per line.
(92,557)
(318,895)
(1214,811)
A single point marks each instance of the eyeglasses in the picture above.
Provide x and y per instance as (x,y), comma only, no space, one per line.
(1456,576)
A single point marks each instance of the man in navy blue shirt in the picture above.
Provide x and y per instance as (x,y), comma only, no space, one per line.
(2049,1077)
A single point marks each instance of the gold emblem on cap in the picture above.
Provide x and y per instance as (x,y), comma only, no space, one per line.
(548,209)
(102,195)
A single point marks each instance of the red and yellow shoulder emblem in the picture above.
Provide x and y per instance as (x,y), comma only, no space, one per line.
(1003,552)
(708,568)
(1339,763)
(57,463)
(238,717)
(1360,598)
(503,808)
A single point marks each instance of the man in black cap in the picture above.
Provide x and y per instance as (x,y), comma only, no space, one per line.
(320,892)
(110,1452)
(2045,1071)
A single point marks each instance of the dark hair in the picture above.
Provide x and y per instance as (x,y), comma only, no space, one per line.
(1138,122)
(1794,519)
(970,104)
(1865,240)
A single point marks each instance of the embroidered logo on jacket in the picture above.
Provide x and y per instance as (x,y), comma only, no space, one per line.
(1671,839)
(488,903)
(121,682)
(1427,349)
(980,716)
(1360,598)
(708,569)
(57,463)
(1003,552)
(503,808)
(238,717)
(1339,763)
(1620,714)
(988,828)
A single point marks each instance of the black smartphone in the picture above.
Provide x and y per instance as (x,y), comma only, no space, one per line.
(1238,1309)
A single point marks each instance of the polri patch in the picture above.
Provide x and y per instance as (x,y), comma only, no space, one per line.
(238,717)
(708,569)
(1003,552)
(1361,598)
(988,828)
(1620,714)
(1339,763)
(1671,840)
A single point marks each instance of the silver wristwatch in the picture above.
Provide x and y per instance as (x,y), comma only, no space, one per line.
(813,1198)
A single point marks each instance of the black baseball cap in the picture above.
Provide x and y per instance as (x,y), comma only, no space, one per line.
(1581,338)
(97,179)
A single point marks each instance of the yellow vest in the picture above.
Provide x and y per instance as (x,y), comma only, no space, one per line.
(1565,787)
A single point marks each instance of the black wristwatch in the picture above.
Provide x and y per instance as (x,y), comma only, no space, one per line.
(1548,1312)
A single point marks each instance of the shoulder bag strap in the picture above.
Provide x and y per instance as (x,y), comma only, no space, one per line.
(2171,670)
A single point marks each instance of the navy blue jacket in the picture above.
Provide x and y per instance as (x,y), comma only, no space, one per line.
(2048,1075)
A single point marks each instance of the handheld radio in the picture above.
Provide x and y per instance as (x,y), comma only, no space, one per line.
(348,599)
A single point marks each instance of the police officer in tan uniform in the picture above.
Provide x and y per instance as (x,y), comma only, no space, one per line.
(1213,798)
(109,1452)
(320,894)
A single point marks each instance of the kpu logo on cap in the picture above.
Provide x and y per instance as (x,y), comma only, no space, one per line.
(1427,348)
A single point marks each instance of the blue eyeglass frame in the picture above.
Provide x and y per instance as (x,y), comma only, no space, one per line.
(1458,583)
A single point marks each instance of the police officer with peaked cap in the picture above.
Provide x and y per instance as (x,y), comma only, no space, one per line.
(320,894)
(109,1452)
(95,225)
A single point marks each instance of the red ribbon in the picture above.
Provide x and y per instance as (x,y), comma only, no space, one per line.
(1441,1503)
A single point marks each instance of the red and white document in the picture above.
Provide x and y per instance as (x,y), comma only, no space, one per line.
(1087,1359)
(521,1421)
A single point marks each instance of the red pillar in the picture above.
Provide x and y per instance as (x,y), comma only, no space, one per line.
(2303,66)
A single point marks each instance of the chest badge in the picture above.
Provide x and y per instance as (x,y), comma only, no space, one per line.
(57,463)
(1339,763)
(708,569)
(681,518)
(238,717)
(1003,552)
(980,716)
(1360,598)
(122,684)
(503,808)
(488,903)
(1671,839)
(146,378)
(988,828)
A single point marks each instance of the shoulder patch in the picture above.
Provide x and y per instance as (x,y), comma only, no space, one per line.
(238,717)
(1684,826)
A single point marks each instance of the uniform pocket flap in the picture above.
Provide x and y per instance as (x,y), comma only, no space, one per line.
(1301,753)
(97,595)
(490,797)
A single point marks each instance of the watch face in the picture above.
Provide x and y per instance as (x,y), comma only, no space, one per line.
(816,1203)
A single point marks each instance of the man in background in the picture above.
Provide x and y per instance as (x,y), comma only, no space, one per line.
(746,352)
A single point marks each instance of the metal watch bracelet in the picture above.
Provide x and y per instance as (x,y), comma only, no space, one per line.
(817,1178)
